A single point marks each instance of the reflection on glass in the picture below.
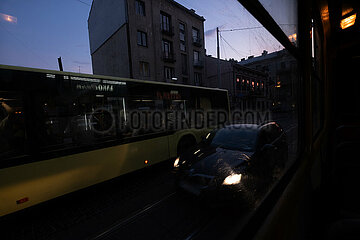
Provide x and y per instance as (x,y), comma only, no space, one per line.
(284,12)
(348,22)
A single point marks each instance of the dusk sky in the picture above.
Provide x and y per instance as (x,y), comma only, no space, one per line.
(35,33)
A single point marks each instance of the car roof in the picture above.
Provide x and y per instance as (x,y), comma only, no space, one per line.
(243,126)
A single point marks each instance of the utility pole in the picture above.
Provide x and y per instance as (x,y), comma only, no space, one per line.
(60,64)
(218,59)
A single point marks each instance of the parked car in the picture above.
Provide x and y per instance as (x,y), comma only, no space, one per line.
(231,158)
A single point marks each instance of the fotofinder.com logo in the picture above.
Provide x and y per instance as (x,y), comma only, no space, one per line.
(196,119)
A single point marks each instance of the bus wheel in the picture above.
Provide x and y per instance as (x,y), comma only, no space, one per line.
(185,143)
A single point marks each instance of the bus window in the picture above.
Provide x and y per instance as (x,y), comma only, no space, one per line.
(77,114)
(205,103)
(12,130)
(145,115)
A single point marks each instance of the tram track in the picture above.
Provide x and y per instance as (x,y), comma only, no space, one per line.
(132,217)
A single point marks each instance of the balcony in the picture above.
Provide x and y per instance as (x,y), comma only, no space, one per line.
(168,57)
(198,64)
(167,29)
(197,41)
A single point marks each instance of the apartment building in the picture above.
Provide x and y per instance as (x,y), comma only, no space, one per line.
(281,69)
(158,40)
(249,89)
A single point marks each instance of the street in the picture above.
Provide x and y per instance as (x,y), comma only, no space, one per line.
(142,205)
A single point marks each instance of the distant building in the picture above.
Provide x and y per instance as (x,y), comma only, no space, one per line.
(248,88)
(144,39)
(281,69)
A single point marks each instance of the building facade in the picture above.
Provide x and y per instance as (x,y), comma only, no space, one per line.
(281,69)
(248,88)
(158,40)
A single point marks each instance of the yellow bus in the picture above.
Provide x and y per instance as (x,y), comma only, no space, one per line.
(61,132)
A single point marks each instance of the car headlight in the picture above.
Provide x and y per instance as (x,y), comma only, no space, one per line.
(176,163)
(232,179)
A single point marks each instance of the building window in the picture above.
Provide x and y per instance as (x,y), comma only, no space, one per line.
(141,39)
(196,57)
(166,47)
(169,73)
(144,69)
(165,22)
(182,37)
(196,37)
(197,79)
(184,64)
(182,46)
(167,50)
(140,7)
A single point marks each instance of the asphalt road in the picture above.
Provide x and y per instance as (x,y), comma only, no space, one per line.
(142,205)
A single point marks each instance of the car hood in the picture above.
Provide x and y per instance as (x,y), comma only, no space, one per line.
(218,161)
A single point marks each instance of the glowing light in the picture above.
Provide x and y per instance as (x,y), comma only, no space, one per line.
(23,200)
(146,161)
(325,13)
(293,37)
(232,179)
(348,22)
(196,152)
(346,11)
(176,163)
(208,135)
(8,18)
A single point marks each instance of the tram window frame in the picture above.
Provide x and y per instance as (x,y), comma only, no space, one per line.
(317,83)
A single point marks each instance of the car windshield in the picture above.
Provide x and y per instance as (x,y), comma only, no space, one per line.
(236,139)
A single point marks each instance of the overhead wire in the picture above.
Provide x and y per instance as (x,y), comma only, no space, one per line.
(84,3)
(232,48)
